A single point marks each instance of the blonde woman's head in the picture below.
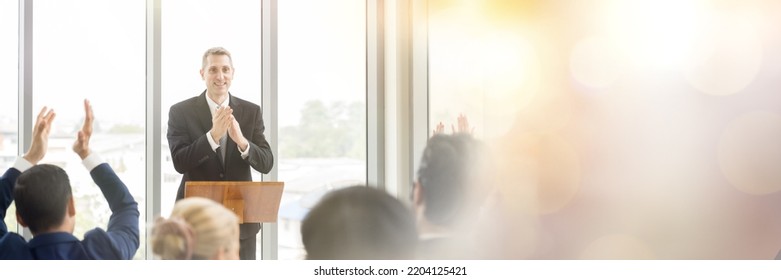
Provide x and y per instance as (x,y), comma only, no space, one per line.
(198,228)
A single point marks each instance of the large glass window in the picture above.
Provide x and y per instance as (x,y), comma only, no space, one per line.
(189,28)
(9,109)
(95,50)
(478,67)
(322,105)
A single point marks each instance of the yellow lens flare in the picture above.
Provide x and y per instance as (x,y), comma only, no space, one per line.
(492,72)
(656,34)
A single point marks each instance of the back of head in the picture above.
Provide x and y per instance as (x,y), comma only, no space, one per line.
(359,223)
(450,168)
(197,229)
(42,194)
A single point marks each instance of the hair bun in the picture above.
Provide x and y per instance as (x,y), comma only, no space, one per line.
(173,238)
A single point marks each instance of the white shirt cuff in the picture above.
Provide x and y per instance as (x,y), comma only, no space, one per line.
(22,164)
(92,161)
(245,153)
(212,143)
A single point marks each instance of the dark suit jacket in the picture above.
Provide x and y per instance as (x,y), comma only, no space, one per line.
(119,242)
(188,122)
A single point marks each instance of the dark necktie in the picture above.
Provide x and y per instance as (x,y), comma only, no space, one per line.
(221,149)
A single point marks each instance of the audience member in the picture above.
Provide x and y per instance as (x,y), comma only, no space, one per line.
(446,194)
(198,229)
(44,204)
(359,223)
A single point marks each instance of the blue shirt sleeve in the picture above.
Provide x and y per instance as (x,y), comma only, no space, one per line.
(120,240)
(7,182)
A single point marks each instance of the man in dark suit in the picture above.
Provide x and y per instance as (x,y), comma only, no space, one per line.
(216,136)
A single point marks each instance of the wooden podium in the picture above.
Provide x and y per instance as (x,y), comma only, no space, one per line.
(253,202)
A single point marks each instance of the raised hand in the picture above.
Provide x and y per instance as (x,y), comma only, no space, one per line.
(439,129)
(221,121)
(235,134)
(81,146)
(40,140)
(463,125)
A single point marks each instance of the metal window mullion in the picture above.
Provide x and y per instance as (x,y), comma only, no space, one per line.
(405,97)
(269,232)
(419,85)
(25,84)
(375,95)
(153,118)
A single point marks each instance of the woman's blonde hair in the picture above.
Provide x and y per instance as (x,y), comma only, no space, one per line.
(197,229)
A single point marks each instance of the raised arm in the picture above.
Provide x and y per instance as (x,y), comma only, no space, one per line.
(38,147)
(122,227)
(122,230)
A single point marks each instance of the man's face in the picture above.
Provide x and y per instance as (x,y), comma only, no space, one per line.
(217,74)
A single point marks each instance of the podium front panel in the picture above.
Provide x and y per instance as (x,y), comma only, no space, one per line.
(260,199)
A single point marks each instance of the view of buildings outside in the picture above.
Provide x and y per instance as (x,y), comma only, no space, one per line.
(322,123)
(322,105)
(104,63)
(9,109)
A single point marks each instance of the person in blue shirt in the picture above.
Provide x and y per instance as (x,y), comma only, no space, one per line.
(44,204)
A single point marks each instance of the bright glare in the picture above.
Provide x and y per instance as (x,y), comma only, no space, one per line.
(495,72)
(509,80)
(729,58)
(595,62)
(653,132)
(656,33)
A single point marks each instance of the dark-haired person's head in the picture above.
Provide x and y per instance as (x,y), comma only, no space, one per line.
(44,202)
(359,223)
(449,170)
